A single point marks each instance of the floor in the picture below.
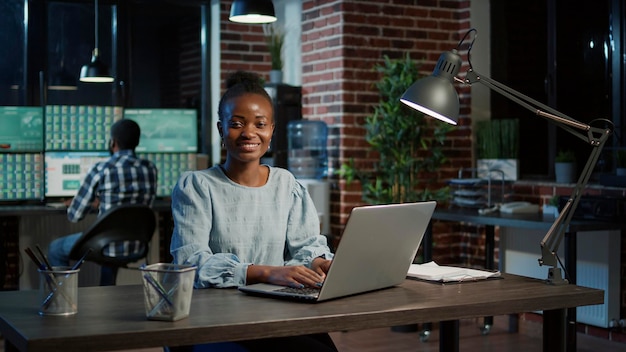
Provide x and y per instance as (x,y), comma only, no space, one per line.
(472,339)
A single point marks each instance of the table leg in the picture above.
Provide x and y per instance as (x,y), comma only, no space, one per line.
(570,269)
(490,234)
(449,336)
(554,330)
(427,255)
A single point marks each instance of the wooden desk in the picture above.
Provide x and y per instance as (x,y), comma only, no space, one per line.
(536,221)
(113,317)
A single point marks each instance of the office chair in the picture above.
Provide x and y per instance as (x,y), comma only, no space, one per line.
(132,223)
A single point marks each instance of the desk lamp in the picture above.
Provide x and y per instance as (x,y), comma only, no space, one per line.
(435,96)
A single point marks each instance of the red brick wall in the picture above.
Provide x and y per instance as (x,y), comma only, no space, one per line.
(342,41)
(242,46)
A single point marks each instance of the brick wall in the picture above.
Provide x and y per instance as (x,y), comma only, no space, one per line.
(242,46)
(342,41)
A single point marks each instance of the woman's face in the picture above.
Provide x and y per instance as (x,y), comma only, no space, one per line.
(247,128)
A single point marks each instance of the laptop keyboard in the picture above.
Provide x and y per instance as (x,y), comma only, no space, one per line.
(300,291)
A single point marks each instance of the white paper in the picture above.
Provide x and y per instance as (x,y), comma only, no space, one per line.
(433,272)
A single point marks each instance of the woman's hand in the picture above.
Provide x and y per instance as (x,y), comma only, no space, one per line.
(321,265)
(292,276)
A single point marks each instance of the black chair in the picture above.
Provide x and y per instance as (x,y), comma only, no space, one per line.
(132,222)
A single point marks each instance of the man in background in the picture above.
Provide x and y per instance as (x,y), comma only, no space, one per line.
(121,179)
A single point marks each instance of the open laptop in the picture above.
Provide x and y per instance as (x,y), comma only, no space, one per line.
(378,245)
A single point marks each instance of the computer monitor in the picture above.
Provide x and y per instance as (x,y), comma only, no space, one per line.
(65,171)
(166,130)
(21,129)
(21,176)
(80,127)
(170,166)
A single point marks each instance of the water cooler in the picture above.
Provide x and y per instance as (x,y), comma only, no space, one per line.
(307,159)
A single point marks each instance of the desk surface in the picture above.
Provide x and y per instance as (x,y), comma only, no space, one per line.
(529,221)
(112,318)
(43,209)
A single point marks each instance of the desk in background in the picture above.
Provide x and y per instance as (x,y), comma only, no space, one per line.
(113,317)
(536,221)
(27,225)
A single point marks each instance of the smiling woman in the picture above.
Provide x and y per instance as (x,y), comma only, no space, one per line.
(244,222)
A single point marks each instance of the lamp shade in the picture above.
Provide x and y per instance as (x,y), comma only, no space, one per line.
(252,11)
(435,95)
(95,72)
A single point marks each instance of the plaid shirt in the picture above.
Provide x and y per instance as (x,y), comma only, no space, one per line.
(122,179)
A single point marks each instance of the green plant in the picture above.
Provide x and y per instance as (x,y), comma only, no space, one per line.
(565,156)
(409,145)
(554,201)
(275,39)
(497,139)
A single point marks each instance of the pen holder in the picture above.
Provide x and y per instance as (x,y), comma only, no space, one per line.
(167,290)
(58,291)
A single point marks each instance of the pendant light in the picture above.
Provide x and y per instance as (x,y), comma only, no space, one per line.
(95,71)
(252,11)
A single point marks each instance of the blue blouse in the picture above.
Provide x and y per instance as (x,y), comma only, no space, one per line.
(223,227)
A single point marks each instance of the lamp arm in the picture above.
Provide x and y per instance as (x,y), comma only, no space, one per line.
(596,137)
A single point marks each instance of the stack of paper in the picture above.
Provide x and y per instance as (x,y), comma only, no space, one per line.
(432,272)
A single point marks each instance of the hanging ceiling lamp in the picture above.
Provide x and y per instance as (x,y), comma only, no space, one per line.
(252,11)
(96,70)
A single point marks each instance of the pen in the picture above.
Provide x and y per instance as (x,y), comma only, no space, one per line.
(161,291)
(82,259)
(43,256)
(52,283)
(34,258)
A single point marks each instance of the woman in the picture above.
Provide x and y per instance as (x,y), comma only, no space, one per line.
(244,222)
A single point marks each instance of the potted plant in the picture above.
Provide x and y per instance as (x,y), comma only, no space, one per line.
(408,144)
(275,40)
(552,207)
(497,145)
(565,166)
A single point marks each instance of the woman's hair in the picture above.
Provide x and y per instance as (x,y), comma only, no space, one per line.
(240,83)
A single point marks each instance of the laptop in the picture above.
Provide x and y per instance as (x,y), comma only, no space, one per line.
(378,245)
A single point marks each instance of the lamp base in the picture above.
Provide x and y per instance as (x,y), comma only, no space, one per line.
(555,277)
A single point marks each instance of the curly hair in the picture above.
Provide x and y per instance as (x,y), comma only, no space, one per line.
(240,83)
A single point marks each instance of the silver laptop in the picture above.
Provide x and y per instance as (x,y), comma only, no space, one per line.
(378,245)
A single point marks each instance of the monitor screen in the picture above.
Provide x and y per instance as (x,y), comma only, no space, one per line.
(21,129)
(80,127)
(65,171)
(21,176)
(170,166)
(166,130)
